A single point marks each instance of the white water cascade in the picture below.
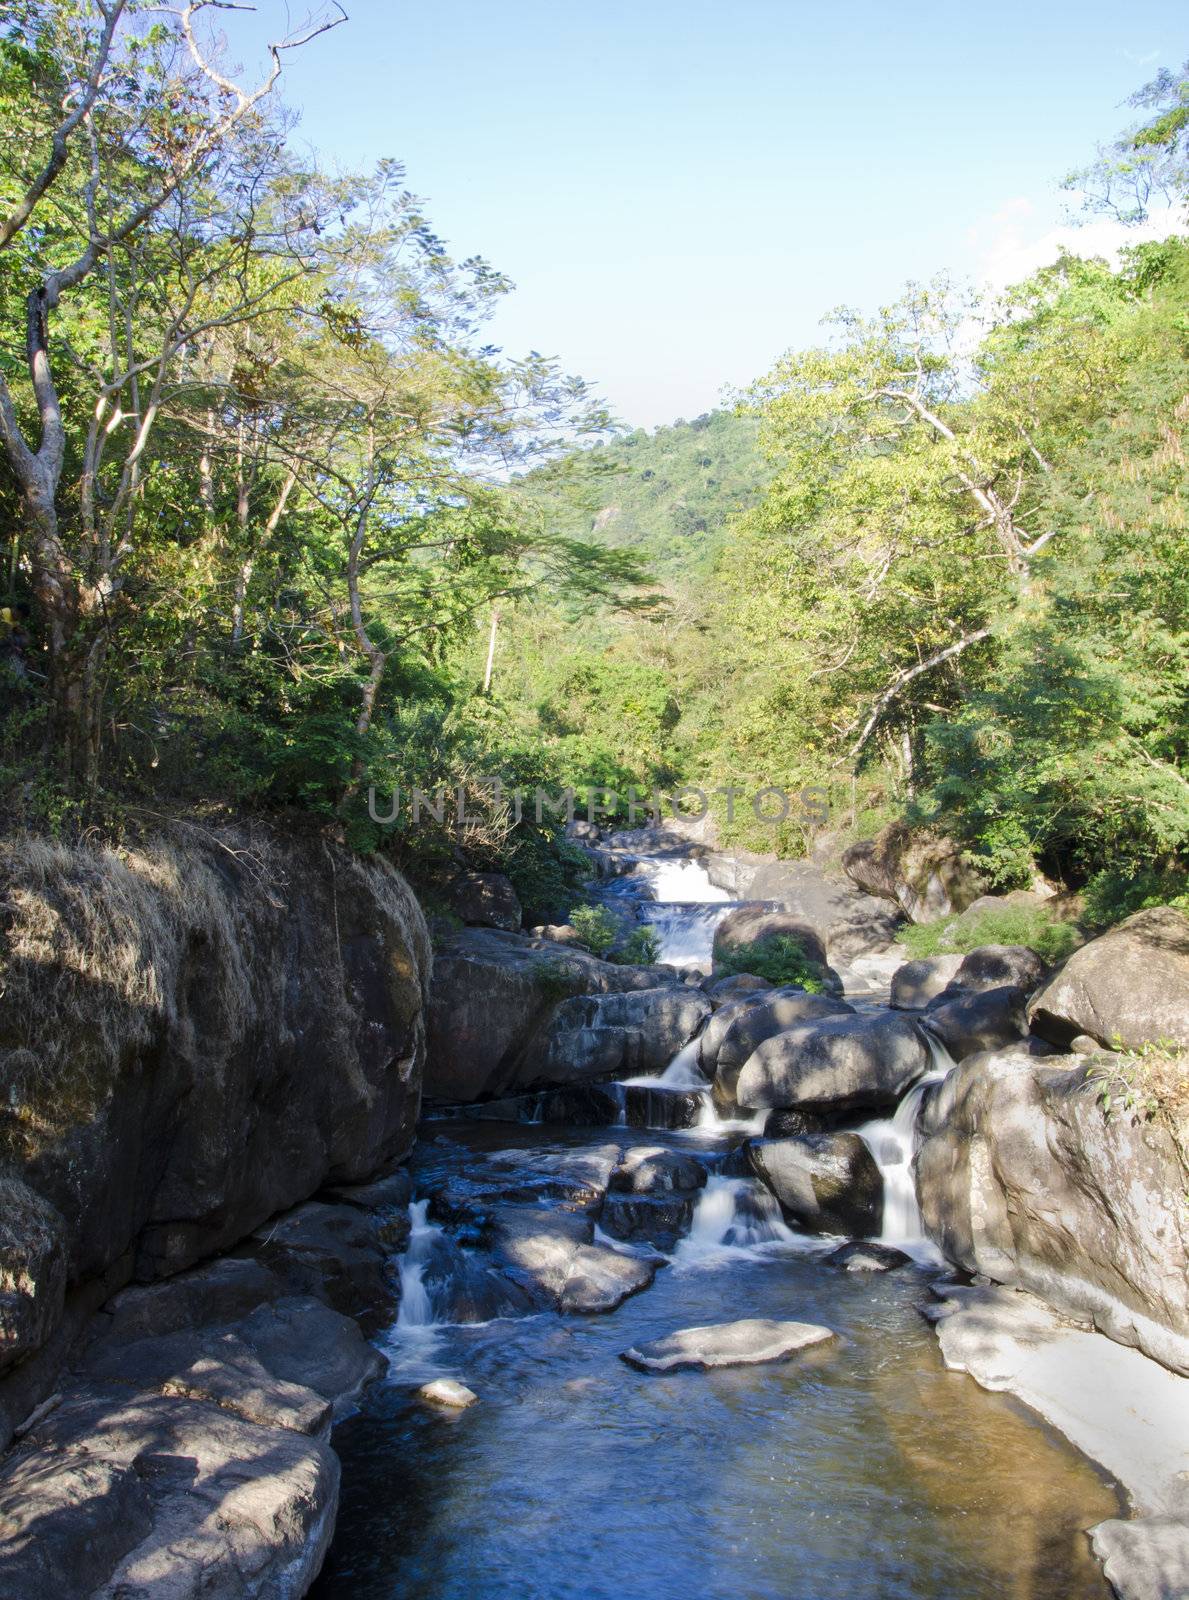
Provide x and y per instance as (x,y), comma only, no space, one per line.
(685,911)
(893,1142)
(416,1309)
(735,1216)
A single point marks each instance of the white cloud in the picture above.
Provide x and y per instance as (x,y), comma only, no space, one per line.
(1018,240)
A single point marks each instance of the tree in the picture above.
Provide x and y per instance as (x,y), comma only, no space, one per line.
(139,201)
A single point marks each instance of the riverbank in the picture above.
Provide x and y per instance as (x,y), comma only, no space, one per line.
(612,1153)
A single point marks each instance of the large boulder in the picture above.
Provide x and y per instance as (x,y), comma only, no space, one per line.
(485,899)
(927,876)
(761,928)
(825,1182)
(766,1016)
(917,982)
(493,1006)
(848,923)
(1128,988)
(998,966)
(142,1495)
(32,1270)
(966,1023)
(838,1064)
(1023,1176)
(199,1031)
(614,1035)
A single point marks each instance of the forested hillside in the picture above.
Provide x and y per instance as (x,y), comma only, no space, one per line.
(278,523)
(669,494)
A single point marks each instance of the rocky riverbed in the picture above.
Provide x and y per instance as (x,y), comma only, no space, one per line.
(651,1304)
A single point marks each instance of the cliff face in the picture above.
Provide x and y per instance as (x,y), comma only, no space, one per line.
(195,1034)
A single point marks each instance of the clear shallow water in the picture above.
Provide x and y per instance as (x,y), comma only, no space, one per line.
(861,1471)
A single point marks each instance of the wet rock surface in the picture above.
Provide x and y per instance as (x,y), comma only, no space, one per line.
(825,1182)
(866,1255)
(749,1342)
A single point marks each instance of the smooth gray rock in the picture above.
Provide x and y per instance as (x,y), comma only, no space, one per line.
(826,1182)
(551,1254)
(968,1023)
(66,1522)
(336,1253)
(485,899)
(1128,988)
(447,1392)
(644,1170)
(747,1343)
(767,1016)
(917,982)
(865,1255)
(1022,1176)
(212,1364)
(1147,1559)
(843,1063)
(33,1259)
(493,1009)
(998,966)
(157,1497)
(735,986)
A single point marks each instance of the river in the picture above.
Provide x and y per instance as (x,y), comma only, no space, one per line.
(859,1470)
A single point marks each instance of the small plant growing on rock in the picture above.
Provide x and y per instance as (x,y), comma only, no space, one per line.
(555,980)
(641,948)
(781,960)
(1148,1082)
(595,926)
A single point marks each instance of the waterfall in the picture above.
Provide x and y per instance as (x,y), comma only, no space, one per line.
(893,1142)
(681,1073)
(682,881)
(416,1309)
(685,908)
(734,1216)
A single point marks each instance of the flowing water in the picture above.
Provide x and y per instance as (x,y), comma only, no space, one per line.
(860,1470)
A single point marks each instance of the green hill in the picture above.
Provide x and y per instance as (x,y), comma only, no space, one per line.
(667,494)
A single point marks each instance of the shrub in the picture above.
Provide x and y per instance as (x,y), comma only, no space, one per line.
(1027,925)
(595,926)
(641,948)
(781,959)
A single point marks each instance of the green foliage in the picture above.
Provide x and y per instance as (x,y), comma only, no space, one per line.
(595,926)
(641,948)
(1032,926)
(781,960)
(669,494)
(555,979)
(1115,893)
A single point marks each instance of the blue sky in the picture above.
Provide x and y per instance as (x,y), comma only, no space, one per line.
(681,191)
